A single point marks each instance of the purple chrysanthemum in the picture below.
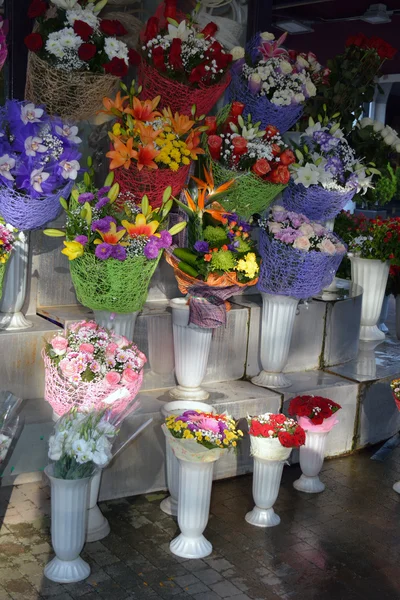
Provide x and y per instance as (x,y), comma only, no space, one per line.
(85,197)
(102,202)
(151,250)
(118,252)
(165,239)
(82,239)
(103,191)
(201,246)
(103,251)
(103,224)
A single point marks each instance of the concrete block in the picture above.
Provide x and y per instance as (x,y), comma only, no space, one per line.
(342,330)
(379,417)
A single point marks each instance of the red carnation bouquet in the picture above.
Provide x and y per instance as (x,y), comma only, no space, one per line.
(186,66)
(257,159)
(272,436)
(314,413)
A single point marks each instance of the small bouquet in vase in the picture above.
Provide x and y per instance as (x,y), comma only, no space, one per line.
(272,436)
(395,385)
(314,413)
(257,159)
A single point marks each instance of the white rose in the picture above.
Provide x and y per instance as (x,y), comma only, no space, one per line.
(378,126)
(385,131)
(310,88)
(278,208)
(397,148)
(365,122)
(302,243)
(285,67)
(302,62)
(237,52)
(389,139)
(266,36)
(306,229)
(327,246)
(299,98)
(274,227)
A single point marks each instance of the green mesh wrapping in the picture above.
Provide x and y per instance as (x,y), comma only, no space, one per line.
(113,285)
(2,272)
(250,194)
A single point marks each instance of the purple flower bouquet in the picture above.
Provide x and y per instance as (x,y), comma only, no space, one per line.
(315,202)
(39,161)
(299,257)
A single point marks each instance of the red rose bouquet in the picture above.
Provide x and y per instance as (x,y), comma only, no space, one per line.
(314,413)
(395,385)
(272,436)
(75,57)
(257,159)
(181,63)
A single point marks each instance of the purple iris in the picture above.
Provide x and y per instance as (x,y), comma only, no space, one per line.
(103,224)
(201,246)
(85,197)
(103,251)
(118,252)
(151,250)
(82,239)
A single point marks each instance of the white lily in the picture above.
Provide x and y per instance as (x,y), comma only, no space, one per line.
(307,175)
(65,4)
(181,32)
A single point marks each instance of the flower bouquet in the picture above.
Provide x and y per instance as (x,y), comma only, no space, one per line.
(89,367)
(257,160)
(39,161)
(272,438)
(326,175)
(9,405)
(271,82)
(395,385)
(198,439)
(119,244)
(75,58)
(8,237)
(180,63)
(317,416)
(150,150)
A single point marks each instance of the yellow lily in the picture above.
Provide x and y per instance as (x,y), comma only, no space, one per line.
(112,236)
(72,250)
(140,227)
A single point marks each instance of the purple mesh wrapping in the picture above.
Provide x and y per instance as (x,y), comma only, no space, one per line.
(252,48)
(24,212)
(317,203)
(261,109)
(207,306)
(290,272)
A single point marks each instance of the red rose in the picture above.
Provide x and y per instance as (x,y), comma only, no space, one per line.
(37,8)
(34,42)
(210,30)
(279,175)
(383,49)
(175,54)
(270,131)
(261,167)
(157,55)
(239,144)
(151,29)
(134,57)
(237,109)
(170,9)
(287,157)
(112,27)
(276,149)
(299,436)
(286,439)
(214,49)
(198,73)
(116,67)
(214,145)
(87,51)
(83,30)
(223,60)
(211,123)
(357,40)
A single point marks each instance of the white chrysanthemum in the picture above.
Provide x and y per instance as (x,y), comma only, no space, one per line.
(54,47)
(83,14)
(116,49)
(69,39)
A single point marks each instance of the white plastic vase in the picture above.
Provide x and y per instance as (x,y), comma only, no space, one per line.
(311,460)
(277,321)
(396,487)
(120,324)
(372,276)
(365,363)
(170,504)
(14,288)
(191,350)
(97,525)
(69,503)
(269,458)
(161,346)
(384,314)
(195,481)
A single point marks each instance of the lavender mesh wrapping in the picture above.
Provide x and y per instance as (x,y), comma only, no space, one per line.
(289,272)
(252,47)
(24,212)
(315,202)
(261,109)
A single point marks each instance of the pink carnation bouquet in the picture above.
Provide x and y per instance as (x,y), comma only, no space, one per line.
(89,367)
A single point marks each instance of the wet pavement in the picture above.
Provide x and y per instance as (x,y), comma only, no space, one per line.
(343,544)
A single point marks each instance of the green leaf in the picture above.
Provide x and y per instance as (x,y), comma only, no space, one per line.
(177,228)
(185,208)
(167,194)
(109,179)
(54,233)
(145,206)
(173,22)
(193,110)
(64,203)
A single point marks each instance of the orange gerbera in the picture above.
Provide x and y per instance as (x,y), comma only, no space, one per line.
(112,236)
(180,123)
(140,227)
(146,132)
(144,110)
(122,154)
(145,157)
(114,105)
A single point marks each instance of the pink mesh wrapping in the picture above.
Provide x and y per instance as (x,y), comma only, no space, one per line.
(3,46)
(151,182)
(315,202)
(63,395)
(24,212)
(287,271)
(178,96)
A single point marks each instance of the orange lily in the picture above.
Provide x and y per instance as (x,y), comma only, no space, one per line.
(140,227)
(122,154)
(112,236)
(144,110)
(145,157)
(193,144)
(146,132)
(180,123)
(117,104)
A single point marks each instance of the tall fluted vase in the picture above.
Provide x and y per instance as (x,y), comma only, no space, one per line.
(119,323)
(69,503)
(277,321)
(14,287)
(384,314)
(311,460)
(97,525)
(372,276)
(191,349)
(170,504)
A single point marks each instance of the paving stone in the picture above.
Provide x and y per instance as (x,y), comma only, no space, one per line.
(209,576)
(225,589)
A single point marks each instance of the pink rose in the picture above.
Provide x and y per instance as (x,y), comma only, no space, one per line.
(89,348)
(319,229)
(129,376)
(142,357)
(113,378)
(68,368)
(327,246)
(302,243)
(59,345)
(111,349)
(121,341)
(340,248)
(90,324)
(307,229)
